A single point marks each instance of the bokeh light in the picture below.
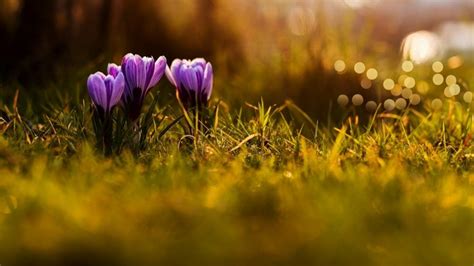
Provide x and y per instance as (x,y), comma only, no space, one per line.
(388,84)
(401,79)
(450,80)
(437,66)
(438,79)
(455,61)
(359,68)
(400,103)
(397,90)
(454,89)
(407,66)
(436,104)
(467,97)
(343,100)
(421,47)
(447,92)
(409,82)
(357,100)
(415,99)
(423,87)
(365,83)
(339,66)
(407,93)
(389,104)
(372,73)
(371,106)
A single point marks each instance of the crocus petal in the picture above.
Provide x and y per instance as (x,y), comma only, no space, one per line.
(198,62)
(208,81)
(170,76)
(129,69)
(91,88)
(176,70)
(141,74)
(109,88)
(188,78)
(158,71)
(113,69)
(119,86)
(149,63)
(97,91)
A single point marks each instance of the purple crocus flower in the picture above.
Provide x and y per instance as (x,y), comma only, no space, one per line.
(105,91)
(113,69)
(141,74)
(193,81)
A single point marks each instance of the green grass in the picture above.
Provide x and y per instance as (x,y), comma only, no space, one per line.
(264,186)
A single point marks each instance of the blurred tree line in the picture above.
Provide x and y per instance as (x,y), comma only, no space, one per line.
(38,37)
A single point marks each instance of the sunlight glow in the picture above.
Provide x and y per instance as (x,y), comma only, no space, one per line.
(421,47)
(301,21)
(356,4)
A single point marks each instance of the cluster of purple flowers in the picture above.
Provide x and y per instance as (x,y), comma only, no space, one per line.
(128,84)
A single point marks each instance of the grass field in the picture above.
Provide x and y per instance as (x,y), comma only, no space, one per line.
(262,186)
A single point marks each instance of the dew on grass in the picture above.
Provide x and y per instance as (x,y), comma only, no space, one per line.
(357,100)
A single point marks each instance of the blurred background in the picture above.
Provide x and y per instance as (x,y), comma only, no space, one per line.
(309,51)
